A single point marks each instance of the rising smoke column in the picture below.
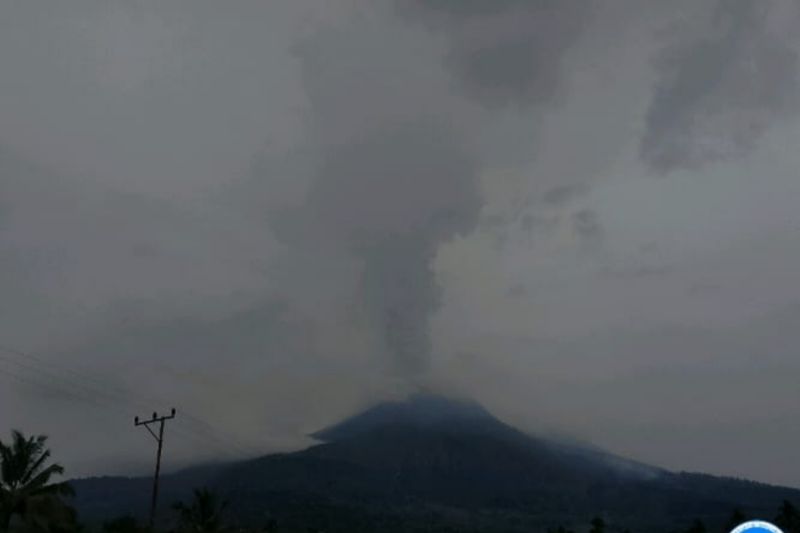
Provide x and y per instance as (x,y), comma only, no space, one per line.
(392,199)
(393,146)
(390,177)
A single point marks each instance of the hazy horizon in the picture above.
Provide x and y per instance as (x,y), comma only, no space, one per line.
(270,215)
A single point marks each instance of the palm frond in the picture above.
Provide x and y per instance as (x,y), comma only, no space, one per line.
(25,487)
(42,478)
(34,468)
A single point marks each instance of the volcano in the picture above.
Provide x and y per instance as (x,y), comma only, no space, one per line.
(431,463)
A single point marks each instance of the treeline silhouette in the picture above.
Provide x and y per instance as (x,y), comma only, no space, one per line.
(788,519)
(31,501)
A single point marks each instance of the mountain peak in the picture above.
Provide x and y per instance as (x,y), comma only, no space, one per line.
(418,410)
(399,461)
(433,406)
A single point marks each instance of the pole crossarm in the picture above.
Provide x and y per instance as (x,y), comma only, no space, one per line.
(138,422)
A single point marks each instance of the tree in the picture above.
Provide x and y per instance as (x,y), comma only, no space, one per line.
(697,527)
(598,525)
(203,514)
(788,518)
(737,518)
(270,526)
(26,493)
(123,524)
(46,514)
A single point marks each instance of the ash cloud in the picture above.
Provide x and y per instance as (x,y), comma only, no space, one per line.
(432,179)
(506,52)
(563,194)
(721,84)
(365,199)
(396,155)
(392,179)
(587,225)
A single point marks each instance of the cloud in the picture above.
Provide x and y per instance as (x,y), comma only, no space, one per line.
(587,225)
(639,272)
(76,258)
(722,82)
(507,52)
(562,194)
(698,387)
(273,212)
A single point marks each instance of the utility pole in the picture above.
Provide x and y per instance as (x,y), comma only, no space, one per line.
(160,439)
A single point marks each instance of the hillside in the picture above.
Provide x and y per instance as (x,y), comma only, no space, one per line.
(431,463)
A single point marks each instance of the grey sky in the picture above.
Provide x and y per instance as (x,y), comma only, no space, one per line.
(269,214)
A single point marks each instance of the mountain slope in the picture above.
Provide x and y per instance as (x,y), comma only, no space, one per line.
(430,462)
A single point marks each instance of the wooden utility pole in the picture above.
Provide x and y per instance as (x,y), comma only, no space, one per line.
(160,439)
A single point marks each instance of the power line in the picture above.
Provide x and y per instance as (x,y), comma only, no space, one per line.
(195,426)
(50,387)
(71,395)
(32,357)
